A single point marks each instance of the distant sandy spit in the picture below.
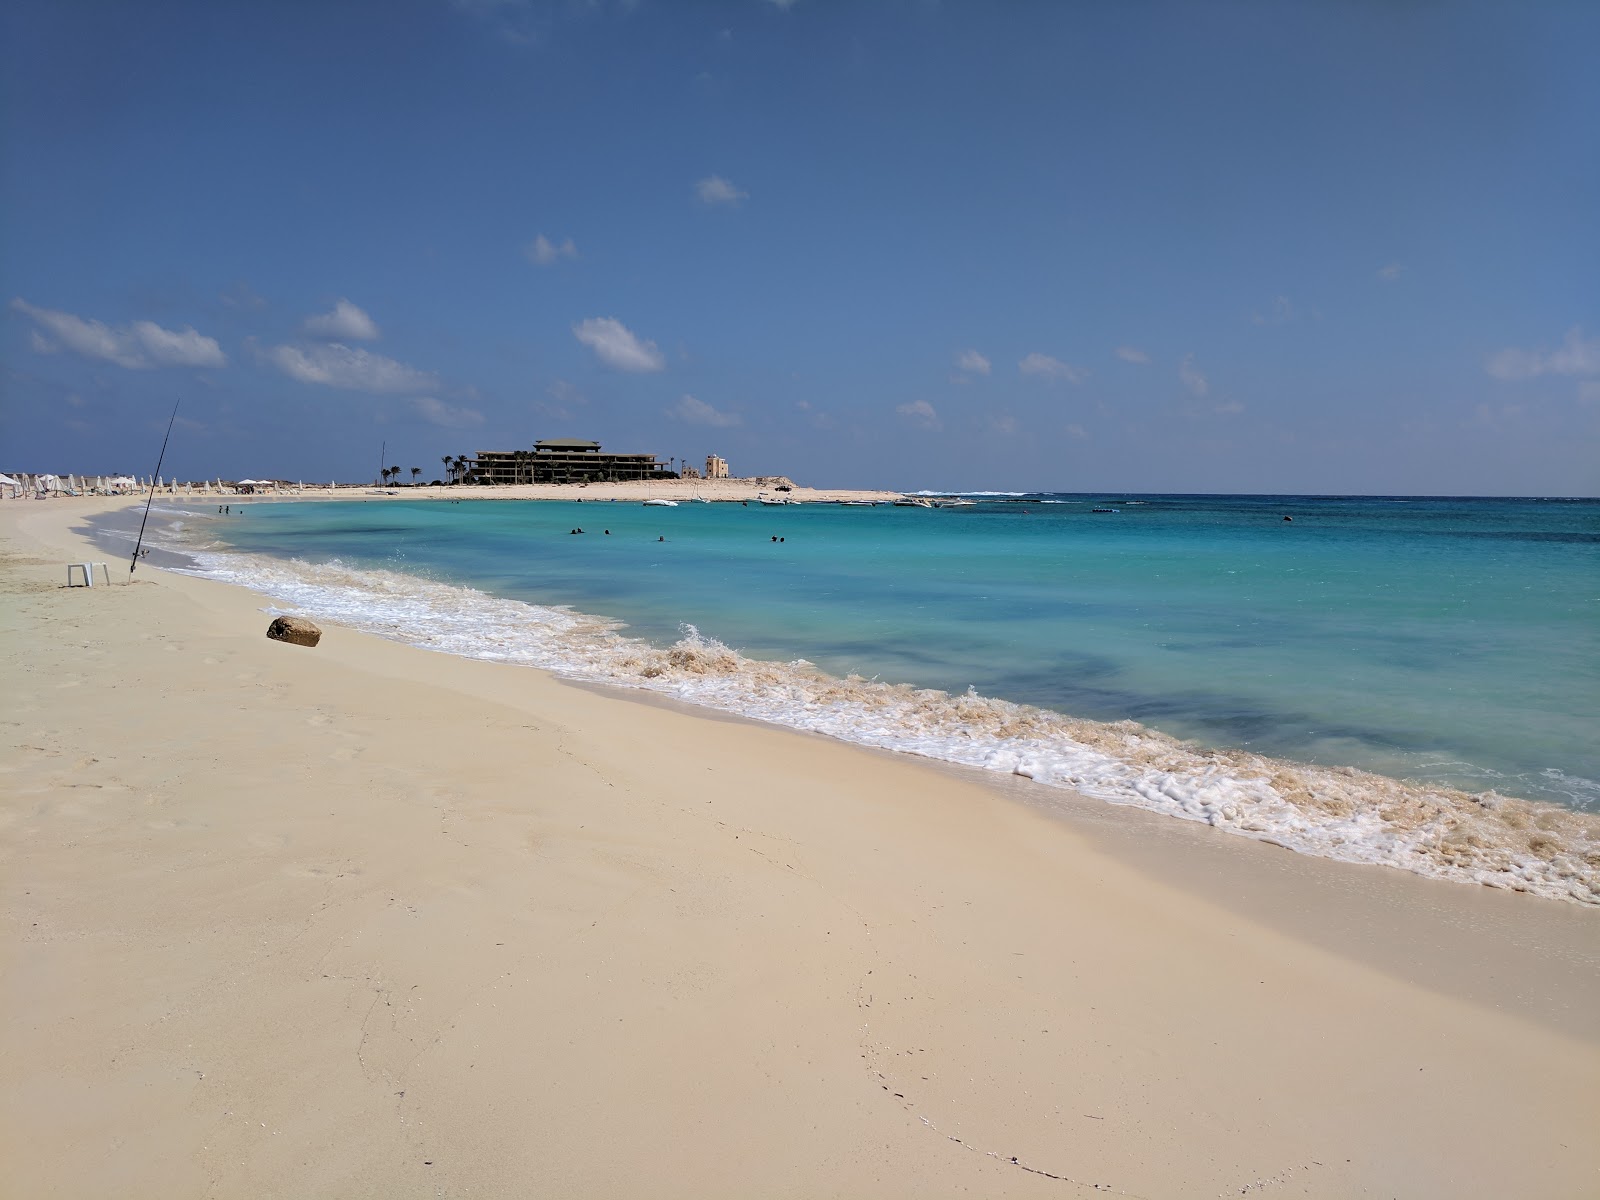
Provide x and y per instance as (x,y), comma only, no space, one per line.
(682,490)
(363,920)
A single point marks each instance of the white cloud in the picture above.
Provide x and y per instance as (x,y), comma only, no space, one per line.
(178,347)
(1230,407)
(1051,368)
(1281,313)
(921,414)
(1191,376)
(138,346)
(714,189)
(1575,356)
(87,337)
(698,412)
(345,323)
(972,362)
(1003,423)
(1077,431)
(341,366)
(615,345)
(450,416)
(542,251)
(1132,354)
(1391,272)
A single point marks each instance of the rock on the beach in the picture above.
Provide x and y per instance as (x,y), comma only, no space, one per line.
(296,630)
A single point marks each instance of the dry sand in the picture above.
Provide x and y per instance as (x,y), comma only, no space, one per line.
(362,920)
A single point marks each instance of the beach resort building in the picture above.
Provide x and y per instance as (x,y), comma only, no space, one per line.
(560,460)
(716,467)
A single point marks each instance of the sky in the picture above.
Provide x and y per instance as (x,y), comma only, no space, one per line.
(1342,247)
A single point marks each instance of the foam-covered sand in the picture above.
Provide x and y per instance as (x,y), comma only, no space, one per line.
(361,920)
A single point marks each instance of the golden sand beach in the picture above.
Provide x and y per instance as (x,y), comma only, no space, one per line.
(363,920)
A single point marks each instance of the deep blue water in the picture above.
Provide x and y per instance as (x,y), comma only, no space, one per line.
(1452,640)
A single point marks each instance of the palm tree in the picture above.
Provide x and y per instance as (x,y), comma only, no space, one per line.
(416,473)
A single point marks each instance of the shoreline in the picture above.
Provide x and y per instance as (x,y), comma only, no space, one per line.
(1337,812)
(737,926)
(717,491)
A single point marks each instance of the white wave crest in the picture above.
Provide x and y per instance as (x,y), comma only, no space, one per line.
(1338,813)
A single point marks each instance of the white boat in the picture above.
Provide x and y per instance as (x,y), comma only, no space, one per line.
(661,504)
(913,502)
(764,500)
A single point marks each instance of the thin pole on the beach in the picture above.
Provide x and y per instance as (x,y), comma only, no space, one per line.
(160,458)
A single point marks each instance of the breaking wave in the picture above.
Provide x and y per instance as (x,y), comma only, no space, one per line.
(1332,812)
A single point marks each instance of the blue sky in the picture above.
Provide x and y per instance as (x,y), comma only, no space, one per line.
(1229,247)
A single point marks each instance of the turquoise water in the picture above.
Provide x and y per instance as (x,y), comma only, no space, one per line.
(1451,642)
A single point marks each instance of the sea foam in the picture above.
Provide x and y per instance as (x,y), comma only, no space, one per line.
(1333,812)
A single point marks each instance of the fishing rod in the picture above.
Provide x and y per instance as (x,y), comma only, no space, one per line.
(160,458)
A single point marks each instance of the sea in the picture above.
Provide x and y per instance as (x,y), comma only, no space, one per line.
(1412,681)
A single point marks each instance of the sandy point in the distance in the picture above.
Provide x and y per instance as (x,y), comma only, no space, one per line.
(362,920)
(682,490)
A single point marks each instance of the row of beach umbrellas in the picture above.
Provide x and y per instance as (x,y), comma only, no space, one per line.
(46,483)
